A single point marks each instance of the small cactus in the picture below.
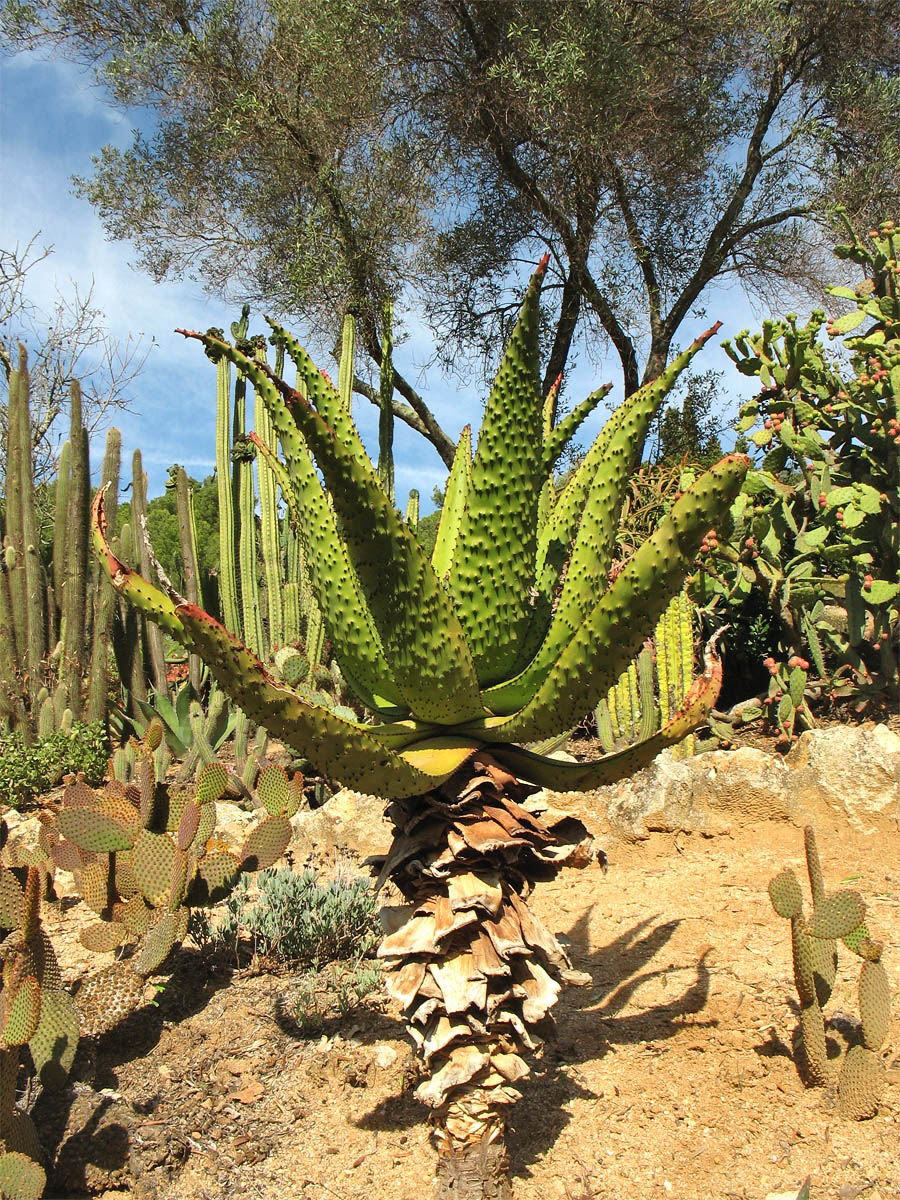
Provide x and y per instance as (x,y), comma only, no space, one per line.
(836,916)
(143,855)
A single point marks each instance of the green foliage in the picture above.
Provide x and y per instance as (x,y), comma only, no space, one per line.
(331,992)
(27,770)
(488,665)
(689,432)
(816,527)
(297,921)
(835,916)
(636,145)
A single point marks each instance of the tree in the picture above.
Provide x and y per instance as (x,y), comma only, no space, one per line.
(68,343)
(467,671)
(691,429)
(326,155)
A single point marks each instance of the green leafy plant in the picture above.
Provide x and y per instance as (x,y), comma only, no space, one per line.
(26,770)
(468,661)
(836,916)
(816,527)
(294,919)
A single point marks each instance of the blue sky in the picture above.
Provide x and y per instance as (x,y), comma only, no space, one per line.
(52,119)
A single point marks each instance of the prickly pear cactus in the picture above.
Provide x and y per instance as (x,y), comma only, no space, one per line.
(35,1010)
(839,916)
(143,855)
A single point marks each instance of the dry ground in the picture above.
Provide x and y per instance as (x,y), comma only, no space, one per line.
(672,1075)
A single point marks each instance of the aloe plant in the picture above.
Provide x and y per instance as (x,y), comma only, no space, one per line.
(508,635)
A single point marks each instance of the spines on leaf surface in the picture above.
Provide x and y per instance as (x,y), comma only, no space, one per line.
(420,633)
(454,505)
(570,677)
(493,565)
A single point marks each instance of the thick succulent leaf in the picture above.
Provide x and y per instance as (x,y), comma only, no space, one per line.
(130,584)
(577,542)
(420,632)
(611,634)
(345,612)
(493,564)
(560,436)
(454,505)
(580,776)
(21,1178)
(357,755)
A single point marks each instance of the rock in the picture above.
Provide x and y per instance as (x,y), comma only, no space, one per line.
(851,770)
(846,771)
(708,794)
(347,823)
(234,823)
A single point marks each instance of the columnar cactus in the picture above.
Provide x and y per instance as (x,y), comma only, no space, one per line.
(508,635)
(835,916)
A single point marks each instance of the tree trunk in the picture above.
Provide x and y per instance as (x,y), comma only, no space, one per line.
(476,1170)
(474,969)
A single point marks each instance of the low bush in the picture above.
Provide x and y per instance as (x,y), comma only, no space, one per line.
(26,771)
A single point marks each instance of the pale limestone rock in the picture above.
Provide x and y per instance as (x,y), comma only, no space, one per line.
(347,823)
(853,770)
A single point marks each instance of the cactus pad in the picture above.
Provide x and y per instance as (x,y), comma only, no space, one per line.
(21,1178)
(273,789)
(837,915)
(157,944)
(815,1048)
(134,914)
(93,883)
(152,862)
(11,901)
(105,999)
(93,830)
(55,1040)
(108,935)
(23,1010)
(785,894)
(861,1084)
(216,874)
(874,1004)
(211,783)
(154,735)
(266,844)
(187,828)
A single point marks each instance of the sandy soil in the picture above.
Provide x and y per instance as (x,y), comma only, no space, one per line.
(672,1074)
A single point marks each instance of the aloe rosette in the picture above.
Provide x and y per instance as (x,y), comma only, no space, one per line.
(467,661)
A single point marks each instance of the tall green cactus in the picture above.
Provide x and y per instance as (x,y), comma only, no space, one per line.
(104,596)
(152,633)
(75,589)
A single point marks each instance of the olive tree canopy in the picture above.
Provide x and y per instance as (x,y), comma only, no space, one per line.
(328,155)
